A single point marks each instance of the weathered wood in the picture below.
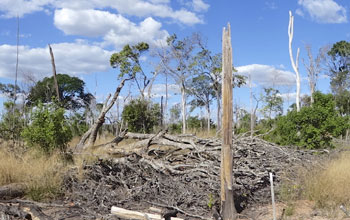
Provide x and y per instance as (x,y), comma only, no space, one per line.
(295,64)
(54,73)
(128,214)
(91,134)
(228,209)
(11,191)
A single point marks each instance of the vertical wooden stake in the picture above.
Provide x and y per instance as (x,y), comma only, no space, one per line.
(54,73)
(273,197)
(228,209)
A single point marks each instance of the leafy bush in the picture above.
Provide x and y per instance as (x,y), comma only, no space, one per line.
(141,115)
(48,128)
(12,122)
(312,127)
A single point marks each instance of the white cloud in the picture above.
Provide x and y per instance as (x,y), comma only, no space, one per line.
(70,58)
(139,8)
(115,29)
(299,12)
(14,8)
(324,11)
(266,75)
(199,5)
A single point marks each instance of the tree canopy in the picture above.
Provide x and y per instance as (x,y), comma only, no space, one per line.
(71,91)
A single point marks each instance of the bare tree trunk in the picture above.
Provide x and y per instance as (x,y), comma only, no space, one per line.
(54,73)
(228,209)
(183,103)
(208,117)
(92,132)
(295,64)
(218,115)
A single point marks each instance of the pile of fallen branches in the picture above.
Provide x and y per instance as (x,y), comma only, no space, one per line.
(180,173)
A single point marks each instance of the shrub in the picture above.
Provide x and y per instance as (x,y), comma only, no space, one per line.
(12,122)
(48,129)
(141,115)
(312,127)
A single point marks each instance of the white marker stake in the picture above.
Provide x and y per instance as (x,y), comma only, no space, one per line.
(273,197)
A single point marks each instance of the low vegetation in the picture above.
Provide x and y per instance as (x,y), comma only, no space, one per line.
(42,175)
(326,184)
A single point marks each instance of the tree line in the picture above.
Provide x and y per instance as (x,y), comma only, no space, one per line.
(47,119)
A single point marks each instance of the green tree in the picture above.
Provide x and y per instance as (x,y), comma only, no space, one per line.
(176,60)
(12,122)
(128,62)
(203,93)
(48,128)
(71,91)
(141,115)
(273,102)
(340,75)
(313,127)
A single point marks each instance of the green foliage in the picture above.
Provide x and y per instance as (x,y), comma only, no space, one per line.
(78,124)
(9,90)
(175,128)
(194,122)
(175,112)
(273,103)
(71,89)
(313,127)
(48,129)
(12,122)
(141,115)
(128,59)
(340,75)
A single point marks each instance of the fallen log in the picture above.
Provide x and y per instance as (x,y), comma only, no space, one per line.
(128,214)
(11,191)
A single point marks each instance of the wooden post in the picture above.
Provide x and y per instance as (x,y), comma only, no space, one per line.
(54,73)
(273,197)
(228,210)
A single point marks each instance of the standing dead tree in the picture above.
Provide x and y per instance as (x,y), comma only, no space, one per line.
(54,73)
(295,64)
(91,134)
(314,67)
(228,209)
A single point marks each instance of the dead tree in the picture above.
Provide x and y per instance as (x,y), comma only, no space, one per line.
(91,134)
(54,73)
(314,68)
(295,64)
(228,209)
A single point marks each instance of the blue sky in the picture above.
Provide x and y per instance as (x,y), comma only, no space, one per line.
(84,33)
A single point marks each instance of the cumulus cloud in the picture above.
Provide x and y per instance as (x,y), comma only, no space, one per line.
(70,58)
(114,28)
(323,11)
(139,8)
(266,75)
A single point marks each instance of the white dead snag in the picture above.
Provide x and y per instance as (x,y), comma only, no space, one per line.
(228,209)
(295,64)
(54,73)
(92,132)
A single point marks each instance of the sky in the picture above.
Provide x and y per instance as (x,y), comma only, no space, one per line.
(84,33)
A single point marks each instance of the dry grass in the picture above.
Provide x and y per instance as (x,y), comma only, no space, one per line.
(329,187)
(42,175)
(326,185)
